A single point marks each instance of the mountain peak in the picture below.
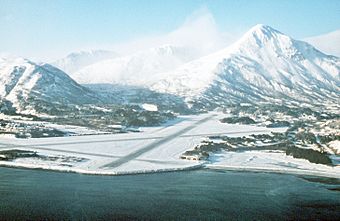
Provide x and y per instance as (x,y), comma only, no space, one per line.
(262,32)
(263,36)
(264,64)
(263,28)
(25,84)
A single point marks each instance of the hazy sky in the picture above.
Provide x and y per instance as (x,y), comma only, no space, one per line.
(47,29)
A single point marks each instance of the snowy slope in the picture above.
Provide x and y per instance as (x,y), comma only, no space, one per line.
(265,65)
(77,60)
(137,69)
(328,43)
(25,84)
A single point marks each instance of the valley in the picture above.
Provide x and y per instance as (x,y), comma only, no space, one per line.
(170,110)
(267,102)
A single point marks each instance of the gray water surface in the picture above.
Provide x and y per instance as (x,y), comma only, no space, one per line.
(189,195)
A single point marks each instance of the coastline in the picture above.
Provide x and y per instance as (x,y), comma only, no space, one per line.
(97,172)
(290,171)
(162,147)
(274,170)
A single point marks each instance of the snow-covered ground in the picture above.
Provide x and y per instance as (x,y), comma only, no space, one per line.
(335,146)
(153,149)
(270,161)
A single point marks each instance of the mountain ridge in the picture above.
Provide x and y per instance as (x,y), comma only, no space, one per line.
(137,69)
(262,64)
(77,60)
(328,43)
(26,84)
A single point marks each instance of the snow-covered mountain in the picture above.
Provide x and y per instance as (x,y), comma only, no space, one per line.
(77,60)
(328,43)
(137,69)
(26,84)
(264,65)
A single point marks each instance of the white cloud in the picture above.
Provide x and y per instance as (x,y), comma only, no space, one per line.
(199,32)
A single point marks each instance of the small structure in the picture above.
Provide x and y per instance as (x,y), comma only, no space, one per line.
(116,127)
(194,155)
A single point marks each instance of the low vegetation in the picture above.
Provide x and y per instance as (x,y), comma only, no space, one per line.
(307,137)
(13,154)
(312,156)
(9,155)
(239,120)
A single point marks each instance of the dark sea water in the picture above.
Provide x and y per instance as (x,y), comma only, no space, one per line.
(190,195)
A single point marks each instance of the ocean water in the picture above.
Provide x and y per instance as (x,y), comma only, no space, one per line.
(189,195)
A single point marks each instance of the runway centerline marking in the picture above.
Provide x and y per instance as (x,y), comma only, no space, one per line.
(155,144)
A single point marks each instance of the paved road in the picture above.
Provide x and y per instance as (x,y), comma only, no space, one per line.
(120,160)
(34,147)
(14,146)
(123,139)
(96,141)
(222,133)
(159,141)
(155,144)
